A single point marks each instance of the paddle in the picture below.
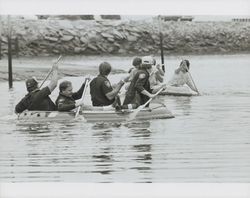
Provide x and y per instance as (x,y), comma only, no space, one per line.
(194,83)
(161,43)
(83,94)
(50,71)
(136,111)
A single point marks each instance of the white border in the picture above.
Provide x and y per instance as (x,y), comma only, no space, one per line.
(90,190)
(126,7)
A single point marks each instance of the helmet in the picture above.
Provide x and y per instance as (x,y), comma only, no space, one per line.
(32,82)
(136,61)
(147,60)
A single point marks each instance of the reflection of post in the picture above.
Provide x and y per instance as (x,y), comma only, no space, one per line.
(9,55)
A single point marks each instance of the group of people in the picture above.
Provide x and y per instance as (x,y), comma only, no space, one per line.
(145,79)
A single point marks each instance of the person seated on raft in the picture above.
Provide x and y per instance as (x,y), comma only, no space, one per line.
(156,77)
(139,91)
(66,100)
(181,76)
(101,91)
(38,99)
(136,63)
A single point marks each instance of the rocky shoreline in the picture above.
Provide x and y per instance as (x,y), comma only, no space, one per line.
(52,37)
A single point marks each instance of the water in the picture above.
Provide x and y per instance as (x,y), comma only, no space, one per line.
(207,141)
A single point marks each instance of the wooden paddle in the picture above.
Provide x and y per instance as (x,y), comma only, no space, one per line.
(193,83)
(83,94)
(136,111)
(50,71)
(161,43)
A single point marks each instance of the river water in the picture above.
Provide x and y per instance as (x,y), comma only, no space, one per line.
(207,141)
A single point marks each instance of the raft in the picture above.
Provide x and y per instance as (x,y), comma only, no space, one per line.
(155,111)
(178,91)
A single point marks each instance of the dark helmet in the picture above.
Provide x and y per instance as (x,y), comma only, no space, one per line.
(31,84)
(136,61)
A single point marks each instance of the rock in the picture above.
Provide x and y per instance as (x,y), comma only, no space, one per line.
(117,34)
(106,35)
(77,49)
(131,38)
(111,39)
(50,38)
(92,47)
(83,39)
(67,38)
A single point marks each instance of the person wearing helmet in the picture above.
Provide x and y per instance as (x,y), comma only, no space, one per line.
(181,76)
(139,90)
(38,99)
(101,91)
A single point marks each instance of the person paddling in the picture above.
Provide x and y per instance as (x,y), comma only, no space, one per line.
(101,91)
(139,90)
(156,77)
(38,99)
(181,76)
(66,100)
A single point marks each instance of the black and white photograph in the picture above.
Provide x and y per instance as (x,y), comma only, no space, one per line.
(124,98)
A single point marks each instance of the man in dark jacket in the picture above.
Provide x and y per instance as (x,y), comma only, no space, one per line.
(101,91)
(38,99)
(66,99)
(139,91)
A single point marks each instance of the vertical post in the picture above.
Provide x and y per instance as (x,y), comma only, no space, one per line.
(0,37)
(161,43)
(9,55)
(16,46)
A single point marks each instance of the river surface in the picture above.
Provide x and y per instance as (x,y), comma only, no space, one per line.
(207,141)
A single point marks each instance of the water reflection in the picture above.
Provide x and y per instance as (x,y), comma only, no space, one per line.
(141,146)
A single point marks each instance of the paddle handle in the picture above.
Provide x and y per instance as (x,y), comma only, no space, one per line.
(136,111)
(194,83)
(144,105)
(83,94)
(50,71)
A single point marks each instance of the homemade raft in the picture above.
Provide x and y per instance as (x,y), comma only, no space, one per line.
(178,91)
(97,114)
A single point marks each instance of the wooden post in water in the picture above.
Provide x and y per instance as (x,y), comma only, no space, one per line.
(9,55)
(16,47)
(0,37)
(161,42)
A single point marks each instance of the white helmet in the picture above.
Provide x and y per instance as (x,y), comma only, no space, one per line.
(147,60)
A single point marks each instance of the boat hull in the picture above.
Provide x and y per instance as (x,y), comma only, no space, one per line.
(96,115)
(178,91)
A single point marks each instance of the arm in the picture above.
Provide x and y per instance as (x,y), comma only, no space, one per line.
(159,68)
(22,105)
(77,95)
(112,94)
(159,77)
(146,93)
(65,107)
